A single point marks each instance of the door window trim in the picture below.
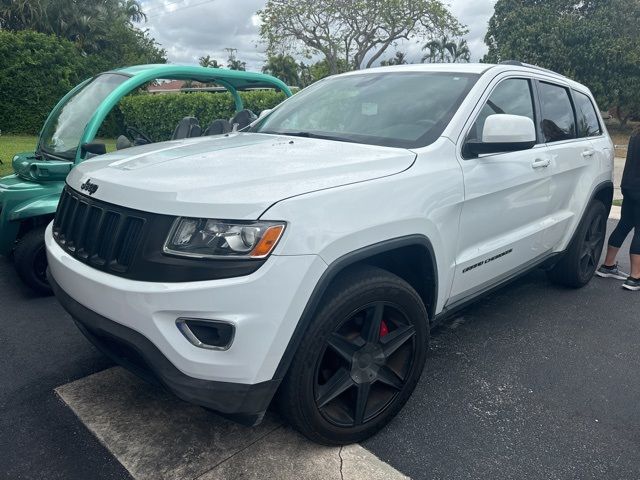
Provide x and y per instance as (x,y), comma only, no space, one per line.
(569,90)
(483,101)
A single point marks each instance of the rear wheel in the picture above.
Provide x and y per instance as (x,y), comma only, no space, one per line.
(30,259)
(360,360)
(580,262)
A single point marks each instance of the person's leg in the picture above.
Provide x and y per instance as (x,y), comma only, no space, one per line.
(633,282)
(609,269)
(622,230)
(634,250)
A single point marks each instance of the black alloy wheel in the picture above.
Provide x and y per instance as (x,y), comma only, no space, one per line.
(365,365)
(579,263)
(359,360)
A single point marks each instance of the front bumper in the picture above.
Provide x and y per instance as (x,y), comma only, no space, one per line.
(264,307)
(242,402)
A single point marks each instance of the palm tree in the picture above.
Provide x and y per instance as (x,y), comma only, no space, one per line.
(133,10)
(438,50)
(399,59)
(459,52)
(209,62)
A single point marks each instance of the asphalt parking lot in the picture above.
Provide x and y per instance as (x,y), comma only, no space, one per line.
(533,382)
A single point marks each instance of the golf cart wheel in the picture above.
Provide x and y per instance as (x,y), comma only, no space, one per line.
(360,359)
(30,259)
(579,264)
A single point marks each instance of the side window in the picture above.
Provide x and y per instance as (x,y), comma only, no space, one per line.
(558,122)
(588,124)
(512,96)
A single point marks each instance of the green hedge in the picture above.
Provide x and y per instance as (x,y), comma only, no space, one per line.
(36,70)
(157,115)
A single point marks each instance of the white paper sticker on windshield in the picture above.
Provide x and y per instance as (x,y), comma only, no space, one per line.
(369,109)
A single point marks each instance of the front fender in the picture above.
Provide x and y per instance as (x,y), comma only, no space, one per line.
(38,207)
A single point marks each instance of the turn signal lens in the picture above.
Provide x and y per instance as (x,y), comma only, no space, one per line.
(267,242)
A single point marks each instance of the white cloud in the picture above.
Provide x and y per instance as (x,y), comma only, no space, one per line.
(189,29)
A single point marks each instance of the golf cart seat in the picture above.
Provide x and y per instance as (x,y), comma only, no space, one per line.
(218,127)
(243,118)
(187,127)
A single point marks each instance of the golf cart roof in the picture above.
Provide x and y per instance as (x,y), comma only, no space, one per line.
(238,80)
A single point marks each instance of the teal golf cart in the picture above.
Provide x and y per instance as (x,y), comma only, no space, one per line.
(29,197)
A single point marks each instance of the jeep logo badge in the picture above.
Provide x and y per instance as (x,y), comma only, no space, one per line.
(89,187)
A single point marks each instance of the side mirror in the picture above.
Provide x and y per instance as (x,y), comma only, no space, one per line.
(95,148)
(504,133)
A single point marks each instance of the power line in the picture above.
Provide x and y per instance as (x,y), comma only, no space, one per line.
(181,9)
(163,6)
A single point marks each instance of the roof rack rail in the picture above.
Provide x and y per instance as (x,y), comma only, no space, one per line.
(528,65)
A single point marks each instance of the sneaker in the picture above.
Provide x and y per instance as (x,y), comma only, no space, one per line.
(632,284)
(611,272)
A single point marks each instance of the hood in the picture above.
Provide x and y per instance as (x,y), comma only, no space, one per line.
(237,176)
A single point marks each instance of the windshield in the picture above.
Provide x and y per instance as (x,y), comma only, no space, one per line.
(62,133)
(395,109)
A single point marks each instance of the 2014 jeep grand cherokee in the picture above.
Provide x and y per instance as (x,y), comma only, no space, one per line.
(311,253)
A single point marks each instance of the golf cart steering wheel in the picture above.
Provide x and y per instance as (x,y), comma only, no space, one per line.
(136,135)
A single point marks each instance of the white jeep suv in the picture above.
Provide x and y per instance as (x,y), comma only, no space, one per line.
(310,254)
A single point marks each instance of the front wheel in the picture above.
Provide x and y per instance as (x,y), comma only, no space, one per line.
(360,360)
(580,262)
(30,259)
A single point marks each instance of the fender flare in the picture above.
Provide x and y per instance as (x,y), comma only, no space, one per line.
(329,275)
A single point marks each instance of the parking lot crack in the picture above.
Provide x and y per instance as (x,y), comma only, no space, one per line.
(238,452)
(341,463)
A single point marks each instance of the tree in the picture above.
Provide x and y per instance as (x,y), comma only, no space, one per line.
(232,62)
(446,50)
(357,32)
(400,58)
(94,26)
(209,62)
(596,42)
(283,67)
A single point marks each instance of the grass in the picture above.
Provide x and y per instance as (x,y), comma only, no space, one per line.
(617,203)
(12,144)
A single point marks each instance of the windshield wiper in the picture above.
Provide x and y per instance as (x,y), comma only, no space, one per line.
(306,134)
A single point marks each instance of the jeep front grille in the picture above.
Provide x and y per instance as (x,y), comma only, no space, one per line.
(97,233)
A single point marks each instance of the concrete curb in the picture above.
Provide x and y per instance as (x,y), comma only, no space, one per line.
(156,436)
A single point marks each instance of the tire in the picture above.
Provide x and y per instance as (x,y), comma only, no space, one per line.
(30,260)
(319,395)
(581,260)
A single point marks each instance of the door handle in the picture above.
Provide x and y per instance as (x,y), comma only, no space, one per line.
(588,153)
(541,163)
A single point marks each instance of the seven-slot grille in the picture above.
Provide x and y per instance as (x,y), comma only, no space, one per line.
(102,235)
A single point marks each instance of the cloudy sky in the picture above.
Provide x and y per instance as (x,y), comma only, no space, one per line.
(189,29)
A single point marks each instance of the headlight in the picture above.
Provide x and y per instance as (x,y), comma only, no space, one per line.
(204,238)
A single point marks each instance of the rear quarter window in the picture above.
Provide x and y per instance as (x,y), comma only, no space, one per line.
(588,123)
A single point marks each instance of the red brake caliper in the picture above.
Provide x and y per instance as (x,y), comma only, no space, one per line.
(384,330)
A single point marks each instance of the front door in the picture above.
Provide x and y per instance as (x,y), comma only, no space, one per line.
(506,199)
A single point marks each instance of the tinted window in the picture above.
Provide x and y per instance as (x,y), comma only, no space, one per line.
(400,109)
(588,124)
(512,97)
(558,122)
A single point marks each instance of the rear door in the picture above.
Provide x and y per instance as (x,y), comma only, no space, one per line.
(576,145)
(506,197)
